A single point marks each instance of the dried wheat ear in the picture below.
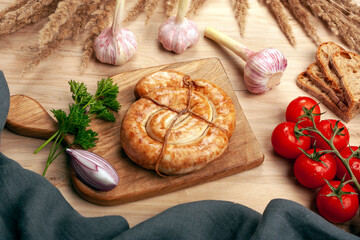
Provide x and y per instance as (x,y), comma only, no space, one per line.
(68,18)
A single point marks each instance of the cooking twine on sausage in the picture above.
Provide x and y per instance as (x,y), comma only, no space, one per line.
(189,84)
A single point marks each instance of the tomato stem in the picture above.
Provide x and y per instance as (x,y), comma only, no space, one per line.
(330,141)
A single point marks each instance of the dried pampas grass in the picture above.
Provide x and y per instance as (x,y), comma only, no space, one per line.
(195,6)
(149,9)
(148,6)
(341,17)
(22,13)
(135,11)
(240,10)
(68,18)
(57,30)
(302,16)
(278,10)
(169,7)
(99,21)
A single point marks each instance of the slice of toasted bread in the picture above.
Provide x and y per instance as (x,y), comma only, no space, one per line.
(347,67)
(318,78)
(304,82)
(323,59)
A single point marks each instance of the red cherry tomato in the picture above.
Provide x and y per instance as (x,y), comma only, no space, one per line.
(311,169)
(354,163)
(284,140)
(326,127)
(295,110)
(330,207)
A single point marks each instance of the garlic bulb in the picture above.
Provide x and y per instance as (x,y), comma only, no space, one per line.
(115,45)
(93,170)
(262,70)
(178,33)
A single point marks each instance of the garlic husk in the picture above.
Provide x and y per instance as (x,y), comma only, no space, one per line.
(262,70)
(178,33)
(93,170)
(115,45)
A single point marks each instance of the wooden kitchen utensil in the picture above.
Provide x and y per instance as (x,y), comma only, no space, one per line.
(27,117)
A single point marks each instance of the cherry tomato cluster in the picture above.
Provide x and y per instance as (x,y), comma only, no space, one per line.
(315,164)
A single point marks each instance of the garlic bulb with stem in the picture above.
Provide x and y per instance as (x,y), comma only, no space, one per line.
(262,70)
(178,33)
(93,170)
(115,45)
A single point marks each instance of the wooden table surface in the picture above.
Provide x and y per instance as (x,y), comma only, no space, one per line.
(47,83)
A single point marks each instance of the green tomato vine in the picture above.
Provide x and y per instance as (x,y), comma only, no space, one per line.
(336,131)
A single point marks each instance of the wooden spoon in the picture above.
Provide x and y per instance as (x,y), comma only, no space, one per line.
(33,122)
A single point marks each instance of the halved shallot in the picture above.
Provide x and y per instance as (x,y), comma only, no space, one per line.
(93,170)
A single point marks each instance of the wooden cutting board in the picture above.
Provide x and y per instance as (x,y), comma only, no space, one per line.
(29,118)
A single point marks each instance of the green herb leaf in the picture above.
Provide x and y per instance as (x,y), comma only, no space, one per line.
(79,93)
(86,138)
(101,111)
(105,100)
(61,118)
(78,119)
(106,89)
(111,103)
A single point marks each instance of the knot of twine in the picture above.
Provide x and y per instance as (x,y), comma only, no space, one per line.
(188,83)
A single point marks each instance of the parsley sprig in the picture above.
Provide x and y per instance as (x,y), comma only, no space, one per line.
(84,108)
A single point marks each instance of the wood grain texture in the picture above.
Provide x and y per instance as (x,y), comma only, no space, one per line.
(254,188)
(27,117)
(135,182)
